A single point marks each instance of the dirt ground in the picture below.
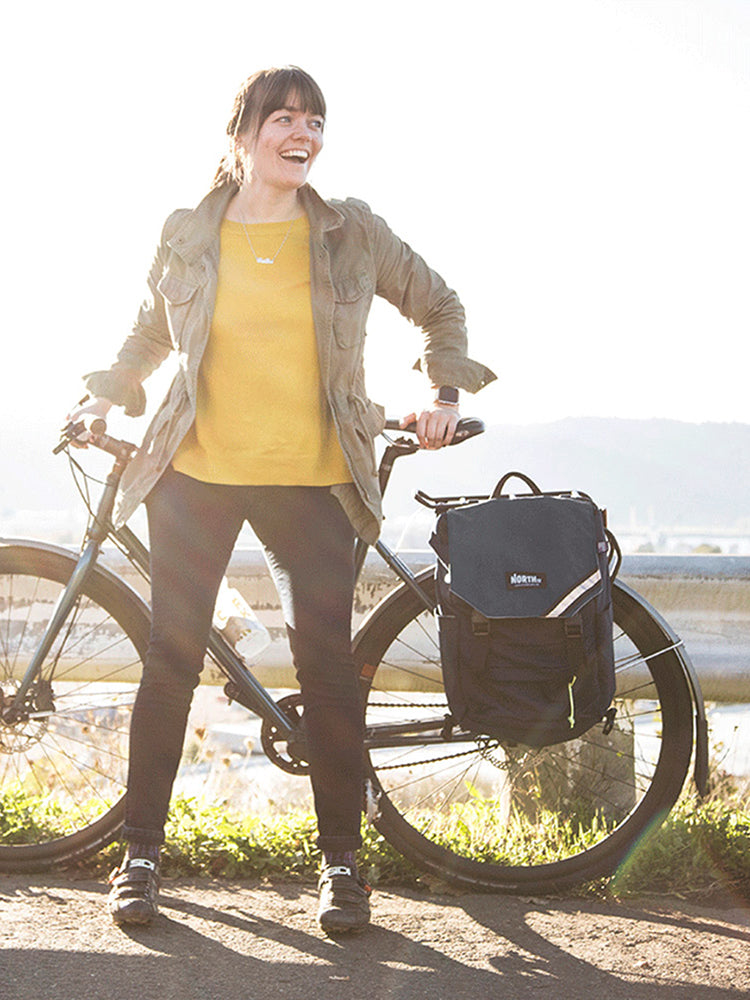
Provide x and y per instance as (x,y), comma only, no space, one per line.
(215,940)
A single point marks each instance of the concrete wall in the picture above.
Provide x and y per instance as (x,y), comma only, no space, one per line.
(706,600)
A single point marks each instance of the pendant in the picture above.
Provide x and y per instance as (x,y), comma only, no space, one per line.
(263,260)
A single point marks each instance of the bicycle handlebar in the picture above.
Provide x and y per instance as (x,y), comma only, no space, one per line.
(97,427)
(90,422)
(467,427)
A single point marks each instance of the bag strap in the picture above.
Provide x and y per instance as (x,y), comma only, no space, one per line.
(574,644)
(517,475)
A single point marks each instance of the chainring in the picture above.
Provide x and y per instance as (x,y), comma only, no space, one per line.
(288,754)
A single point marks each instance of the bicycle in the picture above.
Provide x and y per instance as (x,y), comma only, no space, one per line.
(474,811)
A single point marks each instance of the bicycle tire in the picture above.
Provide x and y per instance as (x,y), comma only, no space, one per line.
(511,819)
(63,770)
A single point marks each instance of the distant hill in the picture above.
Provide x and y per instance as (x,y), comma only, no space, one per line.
(665,471)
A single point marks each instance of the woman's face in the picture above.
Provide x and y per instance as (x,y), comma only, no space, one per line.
(285,148)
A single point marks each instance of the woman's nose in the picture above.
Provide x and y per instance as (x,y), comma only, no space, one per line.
(303,130)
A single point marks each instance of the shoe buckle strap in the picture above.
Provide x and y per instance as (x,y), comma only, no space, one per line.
(141,863)
(337,870)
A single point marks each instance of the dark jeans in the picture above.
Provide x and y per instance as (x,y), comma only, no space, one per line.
(309,545)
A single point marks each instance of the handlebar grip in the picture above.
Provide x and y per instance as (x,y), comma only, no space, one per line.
(465,428)
(96,426)
(91,422)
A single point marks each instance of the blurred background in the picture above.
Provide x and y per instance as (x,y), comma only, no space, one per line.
(577,171)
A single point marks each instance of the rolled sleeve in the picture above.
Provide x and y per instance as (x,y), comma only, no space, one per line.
(142,352)
(421,295)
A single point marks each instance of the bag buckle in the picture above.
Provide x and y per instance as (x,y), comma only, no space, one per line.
(479,624)
(573,628)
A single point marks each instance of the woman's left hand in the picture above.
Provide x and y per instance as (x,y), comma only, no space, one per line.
(435,427)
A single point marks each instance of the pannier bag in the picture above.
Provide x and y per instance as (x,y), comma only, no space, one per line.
(525,613)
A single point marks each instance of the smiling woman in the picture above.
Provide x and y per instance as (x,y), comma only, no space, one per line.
(271,111)
(264,290)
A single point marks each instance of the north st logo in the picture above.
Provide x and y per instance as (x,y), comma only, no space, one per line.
(516,581)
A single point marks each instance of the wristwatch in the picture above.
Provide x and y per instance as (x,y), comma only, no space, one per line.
(447,395)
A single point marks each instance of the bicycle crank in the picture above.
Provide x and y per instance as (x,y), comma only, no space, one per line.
(290,754)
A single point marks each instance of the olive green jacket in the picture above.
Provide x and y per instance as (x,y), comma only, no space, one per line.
(353,256)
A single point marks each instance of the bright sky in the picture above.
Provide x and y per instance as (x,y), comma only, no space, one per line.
(578,171)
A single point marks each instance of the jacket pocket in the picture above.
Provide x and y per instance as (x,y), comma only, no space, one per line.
(352,295)
(178,295)
(175,290)
(368,421)
(374,418)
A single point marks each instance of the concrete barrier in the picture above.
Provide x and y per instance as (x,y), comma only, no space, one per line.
(706,600)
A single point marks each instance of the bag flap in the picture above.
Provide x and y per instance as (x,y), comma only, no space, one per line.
(530,556)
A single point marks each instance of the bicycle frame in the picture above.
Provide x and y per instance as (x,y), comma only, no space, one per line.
(242,686)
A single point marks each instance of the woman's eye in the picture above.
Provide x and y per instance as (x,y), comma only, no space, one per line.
(317,123)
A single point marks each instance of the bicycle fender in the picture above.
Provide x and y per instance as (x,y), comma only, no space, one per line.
(100,568)
(700,731)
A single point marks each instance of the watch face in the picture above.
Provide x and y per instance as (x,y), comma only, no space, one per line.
(447,394)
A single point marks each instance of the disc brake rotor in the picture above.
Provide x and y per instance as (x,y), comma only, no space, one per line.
(21,734)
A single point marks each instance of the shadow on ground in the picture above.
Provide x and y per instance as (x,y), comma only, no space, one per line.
(217,940)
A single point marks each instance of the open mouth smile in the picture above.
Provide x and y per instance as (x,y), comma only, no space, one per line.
(296,155)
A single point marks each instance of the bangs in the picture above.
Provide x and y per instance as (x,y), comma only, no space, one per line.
(290,87)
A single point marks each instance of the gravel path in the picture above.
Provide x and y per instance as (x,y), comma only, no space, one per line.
(215,940)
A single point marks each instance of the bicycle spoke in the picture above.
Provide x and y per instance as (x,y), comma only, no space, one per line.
(64,753)
(531,810)
(80,765)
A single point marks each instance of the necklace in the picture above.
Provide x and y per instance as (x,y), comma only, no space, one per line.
(266,260)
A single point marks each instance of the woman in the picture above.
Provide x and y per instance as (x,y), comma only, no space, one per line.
(264,291)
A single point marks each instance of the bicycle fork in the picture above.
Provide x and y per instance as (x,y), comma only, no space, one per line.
(64,606)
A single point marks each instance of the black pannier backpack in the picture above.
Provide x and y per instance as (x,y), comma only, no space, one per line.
(525,613)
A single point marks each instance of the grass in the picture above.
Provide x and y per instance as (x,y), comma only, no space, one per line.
(702,848)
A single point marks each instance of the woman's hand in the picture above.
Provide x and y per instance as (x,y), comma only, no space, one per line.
(435,427)
(92,406)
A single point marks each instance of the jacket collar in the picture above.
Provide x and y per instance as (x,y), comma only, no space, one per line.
(322,216)
(197,232)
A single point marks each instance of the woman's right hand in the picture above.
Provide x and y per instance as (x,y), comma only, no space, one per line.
(92,406)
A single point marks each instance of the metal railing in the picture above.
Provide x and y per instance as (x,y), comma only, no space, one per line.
(705,598)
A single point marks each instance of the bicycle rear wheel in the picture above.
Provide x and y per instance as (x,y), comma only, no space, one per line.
(500,817)
(63,761)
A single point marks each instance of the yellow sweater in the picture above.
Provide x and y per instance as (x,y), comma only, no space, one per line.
(261,417)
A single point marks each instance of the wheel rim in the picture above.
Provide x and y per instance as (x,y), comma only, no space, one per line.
(509,816)
(63,764)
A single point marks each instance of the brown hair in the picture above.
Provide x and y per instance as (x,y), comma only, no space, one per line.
(259,96)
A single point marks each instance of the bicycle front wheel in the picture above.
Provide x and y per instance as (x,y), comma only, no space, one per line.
(489,815)
(63,756)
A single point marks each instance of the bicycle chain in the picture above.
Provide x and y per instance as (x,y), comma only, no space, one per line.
(486,746)
(429,760)
(418,704)
(482,744)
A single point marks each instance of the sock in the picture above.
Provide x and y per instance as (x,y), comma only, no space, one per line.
(148,851)
(335,858)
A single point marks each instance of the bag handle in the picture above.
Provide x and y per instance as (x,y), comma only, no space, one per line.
(615,554)
(517,475)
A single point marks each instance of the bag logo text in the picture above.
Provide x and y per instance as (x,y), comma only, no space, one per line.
(516,581)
